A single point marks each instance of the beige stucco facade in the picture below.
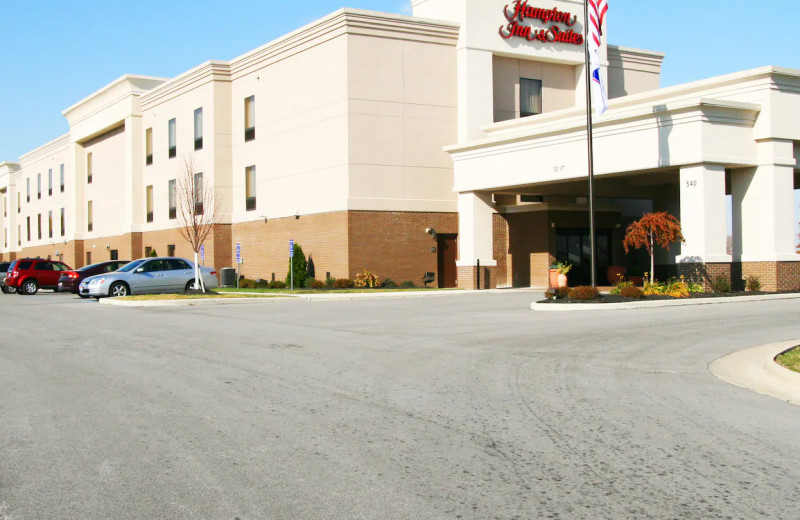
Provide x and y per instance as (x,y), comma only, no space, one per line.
(405,132)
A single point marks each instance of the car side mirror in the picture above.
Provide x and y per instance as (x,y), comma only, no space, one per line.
(140,270)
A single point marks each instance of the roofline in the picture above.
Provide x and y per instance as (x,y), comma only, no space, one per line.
(121,79)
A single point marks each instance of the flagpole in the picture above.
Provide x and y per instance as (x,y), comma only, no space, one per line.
(589,141)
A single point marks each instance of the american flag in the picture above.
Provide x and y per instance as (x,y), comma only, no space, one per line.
(597,15)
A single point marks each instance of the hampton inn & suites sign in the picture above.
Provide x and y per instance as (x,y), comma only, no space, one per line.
(556,24)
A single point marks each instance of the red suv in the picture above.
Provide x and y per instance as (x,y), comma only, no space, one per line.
(28,275)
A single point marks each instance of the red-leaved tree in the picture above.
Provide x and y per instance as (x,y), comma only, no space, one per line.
(659,228)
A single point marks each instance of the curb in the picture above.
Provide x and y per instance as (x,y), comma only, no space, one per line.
(569,307)
(187,303)
(755,369)
(294,298)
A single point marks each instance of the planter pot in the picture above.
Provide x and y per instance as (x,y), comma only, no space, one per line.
(562,280)
(553,277)
(615,272)
(636,280)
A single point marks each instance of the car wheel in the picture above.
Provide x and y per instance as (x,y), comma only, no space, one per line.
(83,295)
(189,286)
(118,289)
(9,290)
(30,287)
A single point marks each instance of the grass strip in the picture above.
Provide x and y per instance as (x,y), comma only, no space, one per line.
(790,359)
(156,297)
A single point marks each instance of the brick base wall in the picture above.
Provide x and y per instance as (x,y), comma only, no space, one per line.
(774,276)
(705,273)
(394,244)
(468,277)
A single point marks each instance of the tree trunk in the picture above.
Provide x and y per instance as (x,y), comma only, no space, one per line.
(197,282)
(652,260)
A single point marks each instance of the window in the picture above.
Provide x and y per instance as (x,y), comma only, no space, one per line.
(173,209)
(19,203)
(250,118)
(5,238)
(171,250)
(149,202)
(89,216)
(198,193)
(88,258)
(114,255)
(148,250)
(39,222)
(89,168)
(62,178)
(148,147)
(50,182)
(28,189)
(173,147)
(19,235)
(250,187)
(29,228)
(50,223)
(198,129)
(5,206)
(62,222)
(530,97)
(38,185)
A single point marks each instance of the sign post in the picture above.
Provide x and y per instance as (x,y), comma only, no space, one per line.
(291,263)
(238,262)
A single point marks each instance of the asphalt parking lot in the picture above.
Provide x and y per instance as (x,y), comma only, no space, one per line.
(462,406)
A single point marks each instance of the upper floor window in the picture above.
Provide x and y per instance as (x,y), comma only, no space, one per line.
(198,129)
(50,182)
(198,193)
(62,178)
(28,189)
(250,187)
(19,203)
(50,224)
(89,168)
(149,202)
(38,185)
(530,97)
(89,216)
(173,139)
(173,203)
(63,224)
(148,147)
(250,118)
(39,221)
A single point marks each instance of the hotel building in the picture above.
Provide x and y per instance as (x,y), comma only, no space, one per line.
(432,143)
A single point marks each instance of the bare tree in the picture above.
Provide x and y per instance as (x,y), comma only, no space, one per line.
(197,210)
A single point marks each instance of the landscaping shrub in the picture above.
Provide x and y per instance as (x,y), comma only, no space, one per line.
(620,285)
(753,283)
(299,265)
(721,284)
(315,284)
(388,283)
(365,280)
(408,284)
(631,291)
(557,293)
(246,283)
(583,292)
(277,284)
(343,283)
(330,282)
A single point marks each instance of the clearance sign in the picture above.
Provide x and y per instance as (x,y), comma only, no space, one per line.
(559,24)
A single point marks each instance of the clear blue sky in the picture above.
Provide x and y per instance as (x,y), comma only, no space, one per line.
(54,53)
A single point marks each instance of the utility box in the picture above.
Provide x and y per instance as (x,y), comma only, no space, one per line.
(227,277)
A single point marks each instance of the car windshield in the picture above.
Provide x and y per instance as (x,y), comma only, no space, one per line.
(130,267)
(86,268)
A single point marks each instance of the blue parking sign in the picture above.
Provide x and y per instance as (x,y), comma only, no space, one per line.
(291,248)
(202,252)
(238,254)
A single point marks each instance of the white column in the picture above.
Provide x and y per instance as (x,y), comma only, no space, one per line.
(703,216)
(763,205)
(133,185)
(475,93)
(475,229)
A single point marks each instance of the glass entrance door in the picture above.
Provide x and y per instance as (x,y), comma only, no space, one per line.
(572,245)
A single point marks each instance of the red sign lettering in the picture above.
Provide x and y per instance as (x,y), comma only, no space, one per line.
(520,11)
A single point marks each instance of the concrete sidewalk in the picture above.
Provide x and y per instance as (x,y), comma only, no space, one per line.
(755,369)
(571,307)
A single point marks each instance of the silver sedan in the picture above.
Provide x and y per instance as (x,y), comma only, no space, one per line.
(148,275)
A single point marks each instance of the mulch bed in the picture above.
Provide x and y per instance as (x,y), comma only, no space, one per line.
(611,298)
